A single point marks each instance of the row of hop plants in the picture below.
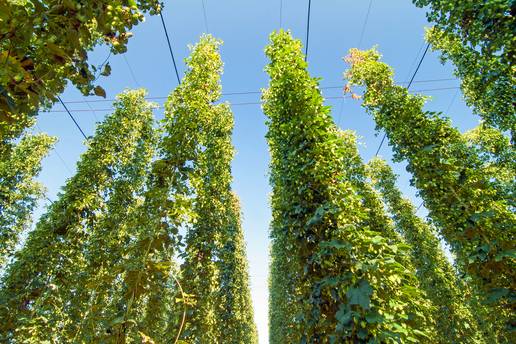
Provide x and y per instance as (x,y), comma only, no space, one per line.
(100,264)
(365,267)
(107,261)
(350,260)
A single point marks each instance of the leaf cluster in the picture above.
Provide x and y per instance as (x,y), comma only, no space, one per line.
(45,43)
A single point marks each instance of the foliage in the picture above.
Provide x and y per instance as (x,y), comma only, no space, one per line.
(487,26)
(344,277)
(99,266)
(214,270)
(96,316)
(454,321)
(487,83)
(19,192)
(44,43)
(143,295)
(470,211)
(236,313)
(497,155)
(37,292)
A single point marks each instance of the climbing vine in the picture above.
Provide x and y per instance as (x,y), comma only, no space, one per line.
(214,270)
(345,278)
(487,26)
(497,155)
(20,163)
(466,207)
(38,291)
(454,320)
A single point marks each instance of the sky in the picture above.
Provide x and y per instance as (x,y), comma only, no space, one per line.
(395,26)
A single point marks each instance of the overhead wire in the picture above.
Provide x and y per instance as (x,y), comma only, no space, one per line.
(258,92)
(365,24)
(73,119)
(308,29)
(452,100)
(420,205)
(248,103)
(169,47)
(99,69)
(130,71)
(410,83)
(205,16)
(415,59)
(362,32)
(281,14)
(92,110)
(57,153)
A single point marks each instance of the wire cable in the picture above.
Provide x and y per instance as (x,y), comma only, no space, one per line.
(410,83)
(57,153)
(418,65)
(73,119)
(169,46)
(99,68)
(63,161)
(308,29)
(205,16)
(281,14)
(131,71)
(452,100)
(415,59)
(92,110)
(258,92)
(253,92)
(358,46)
(365,24)
(340,111)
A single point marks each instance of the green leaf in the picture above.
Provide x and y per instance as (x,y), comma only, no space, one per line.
(511,253)
(360,295)
(496,294)
(362,333)
(373,317)
(344,314)
(377,240)
(317,217)
(337,244)
(107,70)
(99,91)
(428,148)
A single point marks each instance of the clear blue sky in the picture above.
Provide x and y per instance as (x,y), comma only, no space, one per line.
(396,26)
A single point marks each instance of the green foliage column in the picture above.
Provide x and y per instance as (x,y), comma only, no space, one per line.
(470,211)
(94,283)
(19,192)
(222,310)
(337,275)
(236,308)
(35,290)
(454,321)
(142,302)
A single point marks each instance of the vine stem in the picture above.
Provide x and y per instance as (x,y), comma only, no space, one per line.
(184,308)
(131,300)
